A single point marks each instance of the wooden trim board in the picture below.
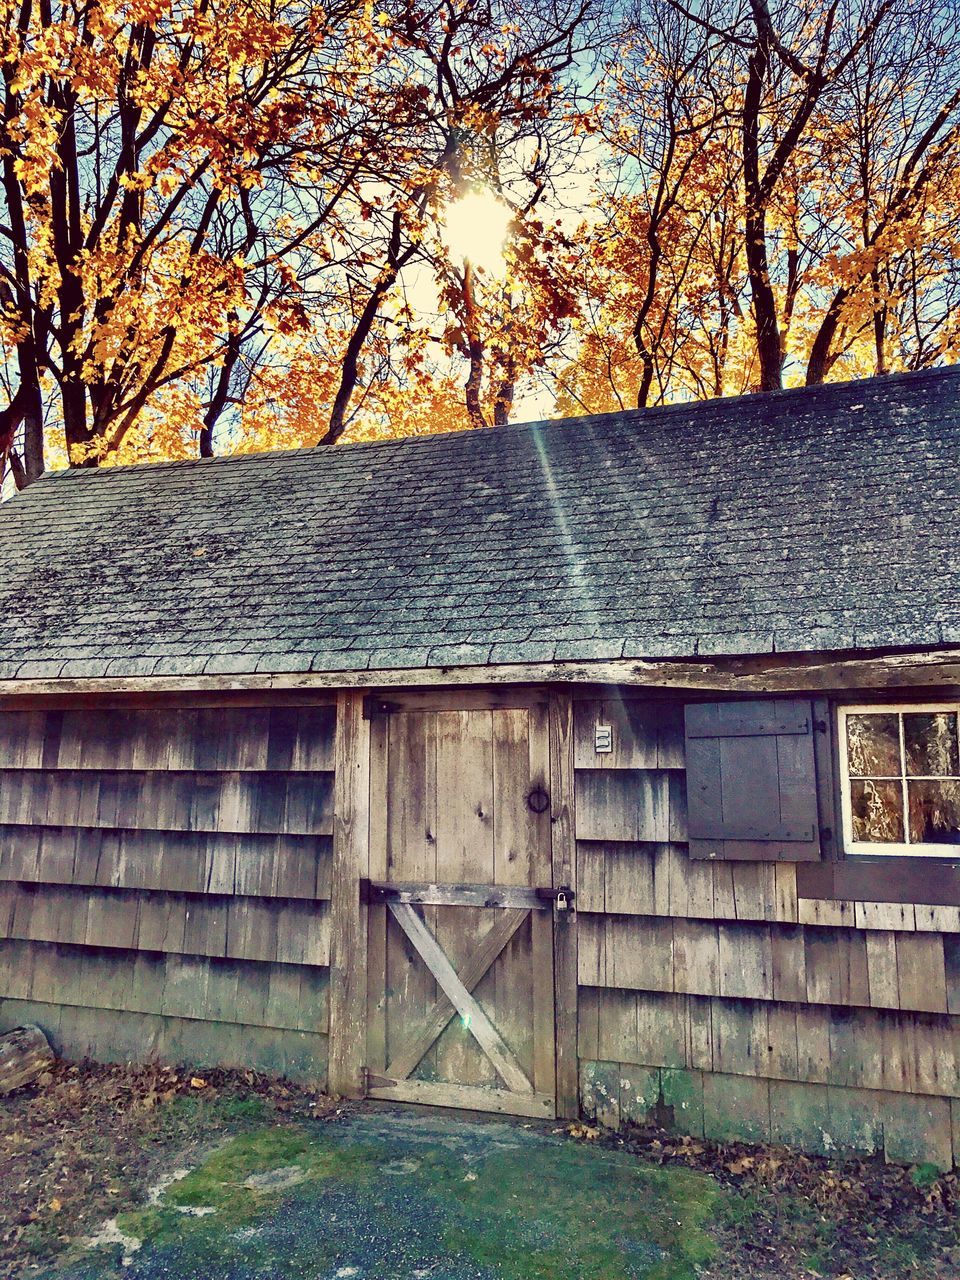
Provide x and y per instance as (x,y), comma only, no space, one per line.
(755,674)
(513,897)
(464,1098)
(925,881)
(470,1010)
(563,830)
(348,940)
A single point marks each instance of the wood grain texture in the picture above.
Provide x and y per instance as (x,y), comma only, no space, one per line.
(252,994)
(256,865)
(294,803)
(863,1048)
(786,980)
(646,734)
(459,842)
(566,933)
(409,1054)
(812,964)
(25,1053)
(815,1117)
(434,1093)
(124,1036)
(741,676)
(751,773)
(348,944)
(624,804)
(658,878)
(177,738)
(471,1012)
(272,930)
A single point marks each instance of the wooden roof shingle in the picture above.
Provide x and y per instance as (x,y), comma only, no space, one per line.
(818,519)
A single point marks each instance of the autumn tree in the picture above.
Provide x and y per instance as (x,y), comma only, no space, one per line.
(497,94)
(814,74)
(783,202)
(164,165)
(192,191)
(662,253)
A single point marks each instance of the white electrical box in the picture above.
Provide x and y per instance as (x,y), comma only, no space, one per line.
(603,739)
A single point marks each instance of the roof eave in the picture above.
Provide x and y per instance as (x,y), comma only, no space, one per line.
(752,674)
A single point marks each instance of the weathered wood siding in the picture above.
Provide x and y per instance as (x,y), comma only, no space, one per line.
(164,881)
(710,992)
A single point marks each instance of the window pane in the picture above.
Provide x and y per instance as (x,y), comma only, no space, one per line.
(877,811)
(873,745)
(934,812)
(930,742)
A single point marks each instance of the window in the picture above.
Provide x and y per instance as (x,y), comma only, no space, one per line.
(900,779)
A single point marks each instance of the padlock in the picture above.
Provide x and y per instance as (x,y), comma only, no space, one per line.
(561,900)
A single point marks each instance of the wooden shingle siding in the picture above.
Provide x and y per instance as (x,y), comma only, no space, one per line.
(657,878)
(164,876)
(806,965)
(646,734)
(179,738)
(290,997)
(817,1117)
(118,1035)
(715,989)
(292,803)
(631,804)
(281,866)
(289,932)
(855,1048)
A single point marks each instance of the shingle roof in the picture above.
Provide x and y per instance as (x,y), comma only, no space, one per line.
(826,518)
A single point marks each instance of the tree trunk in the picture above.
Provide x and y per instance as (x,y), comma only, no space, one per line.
(769,348)
(472,390)
(24,1054)
(350,367)
(819,362)
(79,437)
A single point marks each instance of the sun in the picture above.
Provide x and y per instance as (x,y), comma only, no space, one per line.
(475,230)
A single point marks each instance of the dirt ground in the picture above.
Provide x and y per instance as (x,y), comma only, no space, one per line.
(259,1163)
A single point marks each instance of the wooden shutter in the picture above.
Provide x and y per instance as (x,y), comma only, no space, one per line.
(752,780)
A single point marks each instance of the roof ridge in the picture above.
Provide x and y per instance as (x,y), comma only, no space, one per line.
(711,406)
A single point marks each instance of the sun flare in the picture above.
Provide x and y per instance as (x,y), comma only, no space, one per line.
(475,230)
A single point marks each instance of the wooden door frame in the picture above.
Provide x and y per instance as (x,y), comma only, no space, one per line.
(564,854)
(355,810)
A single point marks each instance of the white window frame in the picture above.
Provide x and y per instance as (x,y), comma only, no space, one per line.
(873,848)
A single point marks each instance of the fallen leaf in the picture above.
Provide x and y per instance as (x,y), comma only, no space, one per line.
(583,1131)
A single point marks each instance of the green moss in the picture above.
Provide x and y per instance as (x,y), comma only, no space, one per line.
(924,1175)
(587,1213)
(220,1184)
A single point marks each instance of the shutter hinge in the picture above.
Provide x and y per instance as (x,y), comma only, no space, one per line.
(374,706)
(820,726)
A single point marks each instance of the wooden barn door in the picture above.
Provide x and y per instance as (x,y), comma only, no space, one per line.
(460,923)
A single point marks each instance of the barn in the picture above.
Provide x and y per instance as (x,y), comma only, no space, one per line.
(602,767)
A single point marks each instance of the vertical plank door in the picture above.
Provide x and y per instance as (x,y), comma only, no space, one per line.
(460,921)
